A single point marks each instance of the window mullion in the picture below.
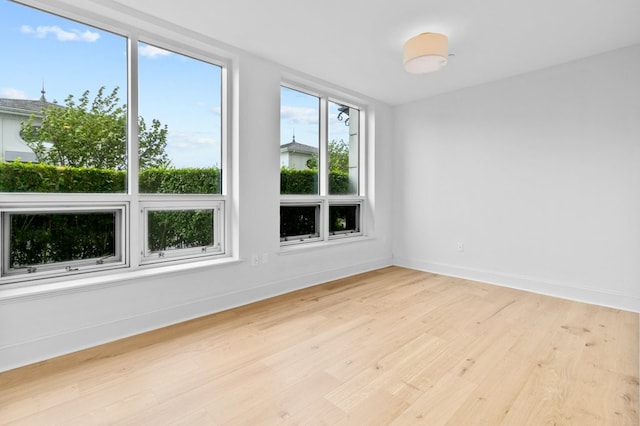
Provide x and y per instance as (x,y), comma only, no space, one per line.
(362,154)
(133,172)
(323,162)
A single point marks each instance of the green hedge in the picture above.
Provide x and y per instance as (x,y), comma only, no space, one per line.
(25,177)
(306,182)
(43,238)
(181,181)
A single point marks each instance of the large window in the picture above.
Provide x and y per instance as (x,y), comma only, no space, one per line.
(112,148)
(320,158)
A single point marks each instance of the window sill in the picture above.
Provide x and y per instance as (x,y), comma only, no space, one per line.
(320,245)
(59,286)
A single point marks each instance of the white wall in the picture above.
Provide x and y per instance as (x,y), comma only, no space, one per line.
(537,175)
(41,325)
(10,141)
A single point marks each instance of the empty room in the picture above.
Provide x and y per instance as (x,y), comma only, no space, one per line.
(319,213)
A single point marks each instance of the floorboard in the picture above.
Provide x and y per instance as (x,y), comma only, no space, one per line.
(392,346)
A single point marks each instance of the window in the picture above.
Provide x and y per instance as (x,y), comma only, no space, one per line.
(57,241)
(181,230)
(299,173)
(343,149)
(344,219)
(130,171)
(320,172)
(182,95)
(299,222)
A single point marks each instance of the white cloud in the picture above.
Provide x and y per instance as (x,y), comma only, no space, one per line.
(152,51)
(190,139)
(60,34)
(215,110)
(299,115)
(196,149)
(11,93)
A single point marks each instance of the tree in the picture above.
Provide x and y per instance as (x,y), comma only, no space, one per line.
(338,157)
(93,134)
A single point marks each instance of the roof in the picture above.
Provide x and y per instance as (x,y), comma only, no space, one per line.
(24,156)
(298,147)
(24,106)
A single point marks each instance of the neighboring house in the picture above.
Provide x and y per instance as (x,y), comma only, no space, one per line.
(294,155)
(13,112)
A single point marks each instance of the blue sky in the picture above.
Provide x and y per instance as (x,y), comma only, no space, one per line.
(181,92)
(70,58)
(299,114)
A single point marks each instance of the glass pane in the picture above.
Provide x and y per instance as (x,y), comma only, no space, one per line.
(299,142)
(47,238)
(343,148)
(180,123)
(179,229)
(298,222)
(344,219)
(62,104)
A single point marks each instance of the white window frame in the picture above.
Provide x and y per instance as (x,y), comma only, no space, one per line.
(216,248)
(184,43)
(306,238)
(323,198)
(66,268)
(359,203)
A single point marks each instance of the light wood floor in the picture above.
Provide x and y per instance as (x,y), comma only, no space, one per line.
(393,346)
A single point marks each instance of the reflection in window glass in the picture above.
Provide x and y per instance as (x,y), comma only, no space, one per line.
(299,142)
(343,149)
(299,222)
(180,131)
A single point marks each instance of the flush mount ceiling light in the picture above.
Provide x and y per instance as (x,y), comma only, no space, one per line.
(426,52)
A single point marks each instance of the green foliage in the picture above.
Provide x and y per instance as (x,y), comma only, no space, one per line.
(297,220)
(181,181)
(26,177)
(294,181)
(338,183)
(43,238)
(93,134)
(173,229)
(338,157)
(306,182)
(47,238)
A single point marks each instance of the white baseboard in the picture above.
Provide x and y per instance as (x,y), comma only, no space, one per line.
(625,302)
(46,347)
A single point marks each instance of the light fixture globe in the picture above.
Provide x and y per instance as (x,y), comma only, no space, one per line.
(426,52)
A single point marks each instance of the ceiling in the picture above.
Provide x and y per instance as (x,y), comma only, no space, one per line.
(357,44)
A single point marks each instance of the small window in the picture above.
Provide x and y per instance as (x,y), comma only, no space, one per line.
(344,219)
(64,241)
(299,223)
(181,231)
